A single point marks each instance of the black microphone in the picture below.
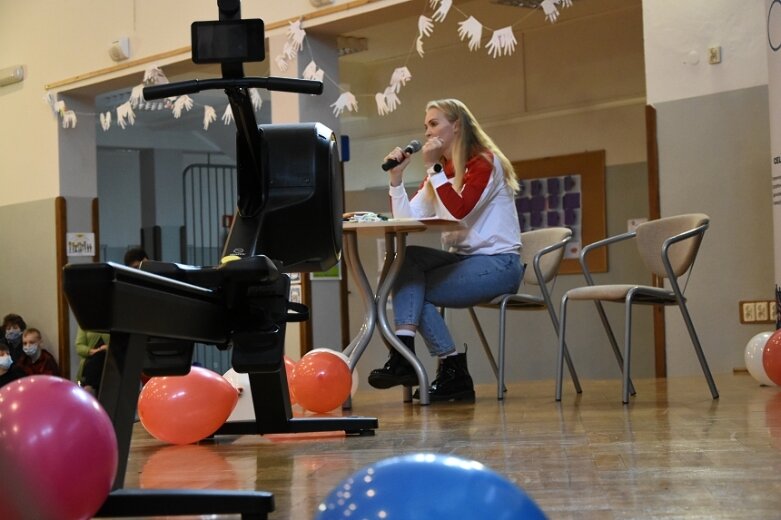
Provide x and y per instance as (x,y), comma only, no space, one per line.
(411,148)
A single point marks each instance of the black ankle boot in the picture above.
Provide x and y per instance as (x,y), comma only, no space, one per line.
(453,382)
(396,371)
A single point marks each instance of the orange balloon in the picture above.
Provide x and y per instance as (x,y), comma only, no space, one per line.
(289,366)
(321,382)
(771,357)
(186,409)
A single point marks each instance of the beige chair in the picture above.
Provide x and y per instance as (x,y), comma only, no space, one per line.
(668,247)
(542,252)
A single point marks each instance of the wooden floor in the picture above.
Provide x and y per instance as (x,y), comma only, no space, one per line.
(672,453)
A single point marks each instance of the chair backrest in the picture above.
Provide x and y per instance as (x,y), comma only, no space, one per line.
(533,242)
(652,234)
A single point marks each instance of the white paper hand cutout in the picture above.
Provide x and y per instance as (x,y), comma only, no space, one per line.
(473,30)
(442,10)
(311,72)
(257,101)
(419,46)
(281,62)
(227,116)
(289,51)
(391,99)
(125,115)
(69,119)
(209,116)
(425,26)
(137,95)
(551,12)
(182,103)
(502,42)
(346,101)
(105,121)
(399,78)
(382,107)
(154,76)
(296,35)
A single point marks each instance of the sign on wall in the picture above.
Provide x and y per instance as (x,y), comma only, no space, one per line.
(80,244)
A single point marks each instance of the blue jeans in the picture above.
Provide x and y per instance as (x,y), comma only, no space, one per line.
(431,278)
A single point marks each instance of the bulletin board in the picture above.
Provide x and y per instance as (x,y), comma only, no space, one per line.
(566,191)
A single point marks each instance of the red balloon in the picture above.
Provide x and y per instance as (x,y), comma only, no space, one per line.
(321,381)
(58,450)
(289,366)
(186,409)
(771,357)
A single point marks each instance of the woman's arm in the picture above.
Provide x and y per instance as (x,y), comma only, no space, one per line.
(476,179)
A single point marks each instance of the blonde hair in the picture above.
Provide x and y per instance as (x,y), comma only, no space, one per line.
(470,141)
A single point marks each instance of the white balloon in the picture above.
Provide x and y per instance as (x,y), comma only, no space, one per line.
(753,357)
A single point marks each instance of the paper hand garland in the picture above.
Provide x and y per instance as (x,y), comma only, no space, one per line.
(502,43)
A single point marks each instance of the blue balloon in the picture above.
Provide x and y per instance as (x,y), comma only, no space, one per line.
(427,486)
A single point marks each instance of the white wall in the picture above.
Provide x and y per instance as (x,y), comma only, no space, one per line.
(678,35)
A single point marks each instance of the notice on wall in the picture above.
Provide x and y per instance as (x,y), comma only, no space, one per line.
(80,244)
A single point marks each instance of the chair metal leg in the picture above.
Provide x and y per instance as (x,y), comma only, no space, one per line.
(500,389)
(497,369)
(698,348)
(571,368)
(560,356)
(613,342)
(627,348)
(552,313)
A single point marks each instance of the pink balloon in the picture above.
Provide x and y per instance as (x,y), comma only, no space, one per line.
(771,357)
(58,450)
(186,409)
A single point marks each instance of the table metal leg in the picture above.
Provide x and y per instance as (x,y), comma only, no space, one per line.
(356,347)
(385,328)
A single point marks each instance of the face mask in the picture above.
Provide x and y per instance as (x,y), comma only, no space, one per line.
(5,362)
(13,335)
(30,350)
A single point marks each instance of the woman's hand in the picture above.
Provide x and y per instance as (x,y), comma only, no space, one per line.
(432,151)
(397,172)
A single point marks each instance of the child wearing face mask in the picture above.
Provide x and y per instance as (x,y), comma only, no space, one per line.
(9,371)
(36,360)
(13,328)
